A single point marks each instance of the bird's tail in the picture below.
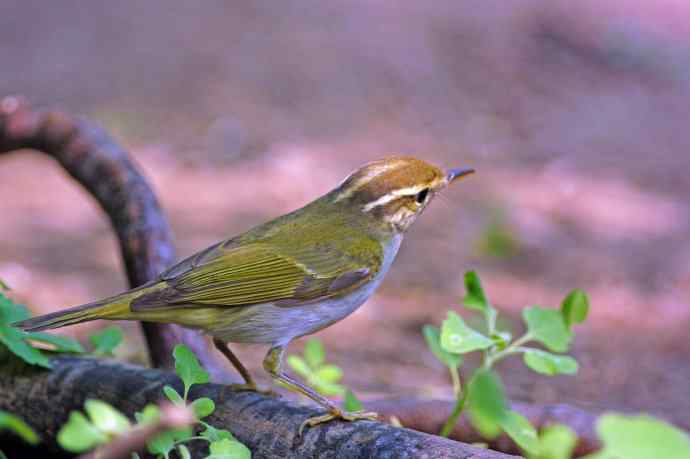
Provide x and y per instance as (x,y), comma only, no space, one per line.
(116,307)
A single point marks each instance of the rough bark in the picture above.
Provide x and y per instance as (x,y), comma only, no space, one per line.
(268,426)
(105,170)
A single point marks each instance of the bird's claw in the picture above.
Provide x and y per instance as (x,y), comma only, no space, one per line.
(339,414)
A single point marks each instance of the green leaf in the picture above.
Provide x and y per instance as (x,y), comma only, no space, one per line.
(173,395)
(522,432)
(188,368)
(11,311)
(79,435)
(352,403)
(165,442)
(183,452)
(555,442)
(14,424)
(501,339)
(314,353)
(488,407)
(151,413)
(299,366)
(105,341)
(640,437)
(549,364)
(329,373)
(574,308)
(486,426)
(475,297)
(161,444)
(212,434)
(432,335)
(61,343)
(106,418)
(548,327)
(203,407)
(13,338)
(458,338)
(327,388)
(228,449)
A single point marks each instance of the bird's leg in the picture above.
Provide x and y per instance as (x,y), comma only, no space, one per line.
(273,365)
(249,384)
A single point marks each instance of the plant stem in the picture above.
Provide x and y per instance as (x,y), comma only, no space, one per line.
(454,416)
(513,348)
(184,440)
(457,385)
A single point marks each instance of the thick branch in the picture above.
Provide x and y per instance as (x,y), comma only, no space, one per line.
(105,170)
(267,426)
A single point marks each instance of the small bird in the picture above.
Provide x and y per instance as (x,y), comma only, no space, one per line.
(286,278)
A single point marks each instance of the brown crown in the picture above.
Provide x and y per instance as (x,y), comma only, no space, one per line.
(379,178)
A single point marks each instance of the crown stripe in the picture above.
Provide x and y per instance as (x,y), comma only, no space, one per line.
(372,173)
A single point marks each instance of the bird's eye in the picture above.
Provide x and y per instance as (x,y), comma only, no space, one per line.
(421,196)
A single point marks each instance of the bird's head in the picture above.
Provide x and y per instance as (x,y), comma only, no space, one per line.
(396,189)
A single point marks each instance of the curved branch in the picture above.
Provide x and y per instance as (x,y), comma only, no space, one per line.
(268,426)
(106,171)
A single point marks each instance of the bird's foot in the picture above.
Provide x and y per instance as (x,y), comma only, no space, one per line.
(339,414)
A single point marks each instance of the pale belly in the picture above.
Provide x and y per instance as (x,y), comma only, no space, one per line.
(278,325)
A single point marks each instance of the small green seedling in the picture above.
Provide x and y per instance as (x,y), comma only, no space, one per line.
(322,376)
(484,398)
(640,437)
(556,441)
(18,427)
(100,425)
(351,402)
(18,342)
(105,341)
(222,444)
(102,422)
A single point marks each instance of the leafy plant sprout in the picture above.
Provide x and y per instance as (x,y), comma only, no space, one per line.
(104,422)
(323,376)
(483,396)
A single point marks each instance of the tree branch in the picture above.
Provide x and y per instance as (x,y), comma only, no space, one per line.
(268,426)
(105,170)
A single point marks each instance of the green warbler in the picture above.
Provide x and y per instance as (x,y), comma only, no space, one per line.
(286,278)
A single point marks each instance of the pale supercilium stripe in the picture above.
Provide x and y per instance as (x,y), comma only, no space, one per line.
(385,199)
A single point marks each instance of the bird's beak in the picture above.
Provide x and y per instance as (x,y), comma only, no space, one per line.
(454,174)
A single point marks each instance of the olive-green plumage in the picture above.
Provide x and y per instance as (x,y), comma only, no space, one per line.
(288,277)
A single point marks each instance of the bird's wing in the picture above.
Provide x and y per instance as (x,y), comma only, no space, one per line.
(257,273)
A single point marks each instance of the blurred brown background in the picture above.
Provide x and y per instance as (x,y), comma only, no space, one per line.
(574,113)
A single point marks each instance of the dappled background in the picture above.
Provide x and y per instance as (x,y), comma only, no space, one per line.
(574,115)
